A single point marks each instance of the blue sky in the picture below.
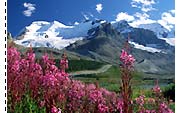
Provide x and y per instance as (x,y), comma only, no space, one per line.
(23,12)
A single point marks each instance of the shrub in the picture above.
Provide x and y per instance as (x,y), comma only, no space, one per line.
(169,92)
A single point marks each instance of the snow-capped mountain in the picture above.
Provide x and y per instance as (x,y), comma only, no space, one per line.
(161,32)
(158,29)
(57,35)
(122,26)
(54,34)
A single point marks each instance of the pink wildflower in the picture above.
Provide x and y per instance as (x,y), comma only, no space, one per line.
(156,89)
(96,96)
(163,108)
(102,108)
(42,103)
(140,100)
(120,105)
(55,110)
(126,59)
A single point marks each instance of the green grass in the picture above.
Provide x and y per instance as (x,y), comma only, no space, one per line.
(169,92)
(78,65)
(26,105)
(172,106)
(111,79)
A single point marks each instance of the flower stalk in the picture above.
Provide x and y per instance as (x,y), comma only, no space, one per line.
(127,65)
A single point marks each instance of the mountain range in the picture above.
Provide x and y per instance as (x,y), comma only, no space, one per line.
(102,41)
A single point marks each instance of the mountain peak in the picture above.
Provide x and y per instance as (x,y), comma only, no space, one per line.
(40,22)
(122,26)
(42,33)
(158,29)
(60,25)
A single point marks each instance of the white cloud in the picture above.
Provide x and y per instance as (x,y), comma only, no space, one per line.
(124,16)
(136,23)
(144,2)
(76,23)
(141,18)
(99,8)
(134,5)
(144,5)
(30,9)
(172,11)
(168,19)
(147,8)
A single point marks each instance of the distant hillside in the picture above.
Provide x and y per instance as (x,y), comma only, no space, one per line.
(106,44)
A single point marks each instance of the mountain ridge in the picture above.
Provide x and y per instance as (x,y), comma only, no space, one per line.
(107,41)
(43,29)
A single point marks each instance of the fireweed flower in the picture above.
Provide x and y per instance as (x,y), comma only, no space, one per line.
(102,108)
(42,103)
(156,89)
(105,92)
(77,91)
(49,80)
(163,108)
(96,96)
(140,100)
(91,87)
(127,59)
(120,105)
(55,110)
(150,111)
(127,64)
(64,62)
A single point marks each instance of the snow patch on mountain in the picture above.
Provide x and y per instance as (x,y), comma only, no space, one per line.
(149,49)
(53,42)
(122,26)
(78,30)
(170,41)
(54,34)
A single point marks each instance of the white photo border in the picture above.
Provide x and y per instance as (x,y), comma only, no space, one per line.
(175,55)
(3,56)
